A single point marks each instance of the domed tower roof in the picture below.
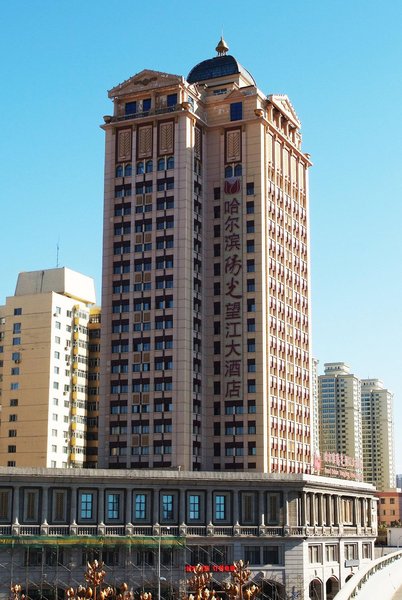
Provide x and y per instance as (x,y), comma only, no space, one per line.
(221,65)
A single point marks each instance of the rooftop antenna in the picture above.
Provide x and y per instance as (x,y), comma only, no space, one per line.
(57,254)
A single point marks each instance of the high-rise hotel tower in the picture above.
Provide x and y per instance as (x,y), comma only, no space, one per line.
(205,359)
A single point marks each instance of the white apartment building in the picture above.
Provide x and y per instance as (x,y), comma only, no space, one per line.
(43,368)
(378,434)
(340,421)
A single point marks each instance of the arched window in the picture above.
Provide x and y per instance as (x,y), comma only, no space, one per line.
(161,164)
(149,166)
(140,168)
(170,162)
(238,170)
(128,170)
(228,172)
(119,171)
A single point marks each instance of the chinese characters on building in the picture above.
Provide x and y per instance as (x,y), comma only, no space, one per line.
(233,290)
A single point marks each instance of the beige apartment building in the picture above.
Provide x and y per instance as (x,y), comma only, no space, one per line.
(94,333)
(378,434)
(44,369)
(340,422)
(205,360)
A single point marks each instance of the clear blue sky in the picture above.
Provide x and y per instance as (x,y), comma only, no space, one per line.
(339,62)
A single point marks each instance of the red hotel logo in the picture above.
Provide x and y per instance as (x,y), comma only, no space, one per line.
(210,568)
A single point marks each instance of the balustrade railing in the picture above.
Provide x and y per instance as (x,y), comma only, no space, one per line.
(183,530)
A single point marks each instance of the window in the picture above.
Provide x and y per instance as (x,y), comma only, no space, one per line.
(87,505)
(314,553)
(146,105)
(250,207)
(113,506)
(130,108)
(236,111)
(250,266)
(165,203)
(14,386)
(273,508)
(167,507)
(171,100)
(251,365)
(350,551)
(252,555)
(250,227)
(17,328)
(15,370)
(140,506)
(16,341)
(250,345)
(271,555)
(194,508)
(250,189)
(220,507)
(250,246)
(18,311)
(31,505)
(16,356)
(4,504)
(331,552)
(366,550)
(228,172)
(250,324)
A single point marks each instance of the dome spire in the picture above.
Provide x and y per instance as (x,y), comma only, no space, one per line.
(222,47)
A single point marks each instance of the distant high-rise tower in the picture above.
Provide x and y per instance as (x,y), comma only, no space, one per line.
(44,363)
(315,418)
(378,434)
(340,423)
(205,358)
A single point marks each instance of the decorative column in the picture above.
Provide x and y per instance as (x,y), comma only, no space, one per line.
(209,506)
(261,507)
(15,504)
(313,508)
(101,506)
(235,509)
(129,506)
(286,505)
(182,507)
(73,516)
(45,516)
(304,509)
(155,505)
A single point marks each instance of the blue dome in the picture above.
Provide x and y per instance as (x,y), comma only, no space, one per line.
(218,67)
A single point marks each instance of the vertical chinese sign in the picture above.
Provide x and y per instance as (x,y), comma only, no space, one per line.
(233,289)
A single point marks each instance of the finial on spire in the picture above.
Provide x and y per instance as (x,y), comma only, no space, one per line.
(222,47)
